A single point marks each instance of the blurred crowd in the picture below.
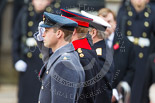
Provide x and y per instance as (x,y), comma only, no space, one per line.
(131,38)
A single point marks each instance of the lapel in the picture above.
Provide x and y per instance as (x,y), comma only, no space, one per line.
(54,57)
(42,70)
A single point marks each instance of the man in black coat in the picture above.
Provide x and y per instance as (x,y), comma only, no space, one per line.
(123,56)
(96,30)
(136,20)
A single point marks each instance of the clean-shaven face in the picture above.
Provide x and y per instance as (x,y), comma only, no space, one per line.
(110,19)
(50,38)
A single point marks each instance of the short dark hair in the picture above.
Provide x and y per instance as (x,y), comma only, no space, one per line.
(68,33)
(81,31)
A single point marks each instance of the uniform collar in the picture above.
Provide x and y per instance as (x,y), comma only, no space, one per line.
(65,49)
(81,43)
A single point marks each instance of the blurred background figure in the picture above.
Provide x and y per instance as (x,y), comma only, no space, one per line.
(124,59)
(17,6)
(136,19)
(152,93)
(26,56)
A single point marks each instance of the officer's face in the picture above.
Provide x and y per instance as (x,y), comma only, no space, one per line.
(110,19)
(40,5)
(139,3)
(50,38)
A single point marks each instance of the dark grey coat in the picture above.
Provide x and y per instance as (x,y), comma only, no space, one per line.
(60,79)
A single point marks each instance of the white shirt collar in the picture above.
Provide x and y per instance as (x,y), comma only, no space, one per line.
(111,37)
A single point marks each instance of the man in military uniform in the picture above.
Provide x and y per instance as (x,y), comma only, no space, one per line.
(123,52)
(96,30)
(136,20)
(64,71)
(87,56)
(25,53)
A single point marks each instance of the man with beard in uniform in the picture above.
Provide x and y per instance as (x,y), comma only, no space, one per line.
(25,53)
(105,56)
(136,19)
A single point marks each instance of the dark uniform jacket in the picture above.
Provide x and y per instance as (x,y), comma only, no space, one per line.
(61,77)
(88,60)
(105,57)
(140,26)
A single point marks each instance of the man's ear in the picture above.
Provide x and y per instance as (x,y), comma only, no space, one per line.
(74,32)
(59,33)
(94,33)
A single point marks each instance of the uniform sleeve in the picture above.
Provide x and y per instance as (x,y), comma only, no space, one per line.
(16,35)
(62,90)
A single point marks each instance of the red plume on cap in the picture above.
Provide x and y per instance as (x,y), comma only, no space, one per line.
(79,18)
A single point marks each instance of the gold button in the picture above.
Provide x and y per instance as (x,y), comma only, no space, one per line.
(141,55)
(29,54)
(30,23)
(130,13)
(129,22)
(146,24)
(31,13)
(146,14)
(30,8)
(42,87)
(29,33)
(144,34)
(40,56)
(48,9)
(81,55)
(46,72)
(136,41)
(79,50)
(129,33)
(57,5)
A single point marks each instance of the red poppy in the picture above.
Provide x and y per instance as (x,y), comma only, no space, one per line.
(116,46)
